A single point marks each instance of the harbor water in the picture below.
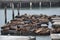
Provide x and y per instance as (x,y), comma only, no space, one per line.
(37,11)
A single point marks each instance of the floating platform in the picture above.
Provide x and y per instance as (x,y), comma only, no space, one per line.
(17,38)
(26,25)
(56,27)
(55,19)
(55,36)
(30,25)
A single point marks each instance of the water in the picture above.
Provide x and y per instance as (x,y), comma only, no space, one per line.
(38,11)
(43,38)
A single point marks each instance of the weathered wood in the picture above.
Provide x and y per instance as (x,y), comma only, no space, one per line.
(56,18)
(17,37)
(55,36)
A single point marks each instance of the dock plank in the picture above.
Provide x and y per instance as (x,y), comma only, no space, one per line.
(55,36)
(15,37)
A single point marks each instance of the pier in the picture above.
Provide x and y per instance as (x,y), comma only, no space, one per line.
(30,3)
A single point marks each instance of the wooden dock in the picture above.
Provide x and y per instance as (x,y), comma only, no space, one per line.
(55,32)
(55,36)
(17,38)
(25,25)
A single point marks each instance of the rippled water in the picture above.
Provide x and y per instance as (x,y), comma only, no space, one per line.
(47,11)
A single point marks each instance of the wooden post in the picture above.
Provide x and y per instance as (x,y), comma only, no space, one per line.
(5,15)
(18,9)
(12,11)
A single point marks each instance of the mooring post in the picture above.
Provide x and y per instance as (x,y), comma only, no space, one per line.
(5,15)
(13,11)
(18,9)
